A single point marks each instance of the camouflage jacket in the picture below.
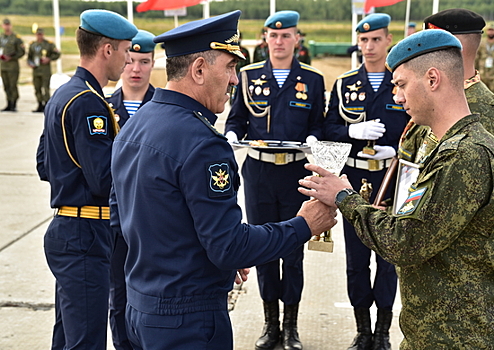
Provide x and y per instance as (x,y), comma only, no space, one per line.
(13,46)
(418,141)
(484,61)
(442,242)
(37,50)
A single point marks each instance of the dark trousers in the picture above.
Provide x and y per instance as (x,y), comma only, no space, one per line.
(208,330)
(78,253)
(271,195)
(361,292)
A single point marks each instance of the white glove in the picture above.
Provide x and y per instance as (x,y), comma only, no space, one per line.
(369,130)
(231,136)
(310,140)
(382,152)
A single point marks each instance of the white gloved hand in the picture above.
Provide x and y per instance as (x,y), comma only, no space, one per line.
(369,130)
(231,137)
(310,140)
(382,152)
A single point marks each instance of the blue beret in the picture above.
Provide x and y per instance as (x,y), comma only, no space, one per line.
(107,23)
(282,20)
(412,24)
(419,44)
(143,42)
(456,21)
(373,22)
(215,33)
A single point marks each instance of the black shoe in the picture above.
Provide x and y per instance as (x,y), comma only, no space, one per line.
(363,339)
(271,331)
(381,331)
(40,108)
(290,339)
(8,108)
(13,106)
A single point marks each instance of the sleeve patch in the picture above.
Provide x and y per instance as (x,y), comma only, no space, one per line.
(220,180)
(98,125)
(412,202)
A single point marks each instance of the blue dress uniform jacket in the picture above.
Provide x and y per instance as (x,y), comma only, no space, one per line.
(78,249)
(358,96)
(296,110)
(174,198)
(116,102)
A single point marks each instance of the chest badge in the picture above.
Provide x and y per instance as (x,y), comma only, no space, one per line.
(266,91)
(301,91)
(353,87)
(259,81)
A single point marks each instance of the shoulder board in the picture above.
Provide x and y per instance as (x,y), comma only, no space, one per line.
(18,36)
(256,65)
(451,143)
(32,42)
(208,124)
(348,74)
(310,68)
(49,41)
(108,95)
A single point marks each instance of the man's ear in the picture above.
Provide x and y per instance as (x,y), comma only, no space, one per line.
(433,76)
(107,50)
(198,68)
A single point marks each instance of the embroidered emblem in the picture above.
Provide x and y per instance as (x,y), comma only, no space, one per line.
(353,87)
(97,125)
(412,201)
(219,179)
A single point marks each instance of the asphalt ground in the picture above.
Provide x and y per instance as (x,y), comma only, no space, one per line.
(27,286)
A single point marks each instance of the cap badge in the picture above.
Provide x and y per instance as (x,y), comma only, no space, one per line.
(278,24)
(136,47)
(366,26)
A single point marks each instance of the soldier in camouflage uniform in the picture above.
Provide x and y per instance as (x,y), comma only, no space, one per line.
(418,140)
(441,239)
(245,52)
(11,49)
(41,53)
(485,58)
(261,51)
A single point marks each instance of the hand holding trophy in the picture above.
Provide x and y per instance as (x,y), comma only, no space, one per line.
(331,156)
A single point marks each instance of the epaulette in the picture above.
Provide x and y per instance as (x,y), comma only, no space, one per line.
(108,95)
(32,42)
(208,124)
(348,74)
(451,143)
(310,68)
(18,36)
(256,65)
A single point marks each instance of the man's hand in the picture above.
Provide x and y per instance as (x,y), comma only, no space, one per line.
(323,187)
(369,130)
(382,152)
(231,137)
(318,216)
(241,275)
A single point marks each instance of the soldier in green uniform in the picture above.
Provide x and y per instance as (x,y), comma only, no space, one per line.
(301,51)
(485,58)
(11,49)
(245,52)
(418,141)
(441,238)
(41,53)
(261,51)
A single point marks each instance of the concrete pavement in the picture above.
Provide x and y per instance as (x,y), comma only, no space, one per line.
(27,286)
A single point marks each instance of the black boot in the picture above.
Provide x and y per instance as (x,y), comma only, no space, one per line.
(40,107)
(13,107)
(289,338)
(8,108)
(271,331)
(363,339)
(381,332)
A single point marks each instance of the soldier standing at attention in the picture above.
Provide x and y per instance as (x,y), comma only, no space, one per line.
(277,99)
(362,112)
(41,53)
(11,49)
(74,157)
(418,140)
(174,198)
(485,58)
(441,238)
(135,92)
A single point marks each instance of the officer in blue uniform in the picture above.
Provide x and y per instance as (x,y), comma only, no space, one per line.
(362,112)
(277,99)
(74,157)
(174,197)
(136,89)
(134,93)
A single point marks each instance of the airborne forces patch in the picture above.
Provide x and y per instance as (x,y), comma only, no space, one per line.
(220,182)
(97,125)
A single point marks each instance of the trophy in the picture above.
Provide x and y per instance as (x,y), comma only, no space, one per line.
(331,156)
(366,190)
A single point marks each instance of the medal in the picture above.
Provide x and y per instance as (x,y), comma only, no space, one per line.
(251,89)
(266,91)
(347,96)
(361,96)
(298,95)
(258,90)
(353,96)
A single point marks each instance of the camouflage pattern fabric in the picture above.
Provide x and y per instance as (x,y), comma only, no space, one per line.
(484,58)
(12,46)
(442,242)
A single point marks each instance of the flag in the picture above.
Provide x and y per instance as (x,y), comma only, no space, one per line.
(161,5)
(378,3)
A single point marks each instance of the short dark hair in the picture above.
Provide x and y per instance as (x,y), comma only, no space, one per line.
(89,43)
(177,66)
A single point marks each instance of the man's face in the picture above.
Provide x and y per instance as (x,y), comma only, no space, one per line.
(40,37)
(412,94)
(7,28)
(282,42)
(119,59)
(374,45)
(136,74)
(219,77)
(490,33)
